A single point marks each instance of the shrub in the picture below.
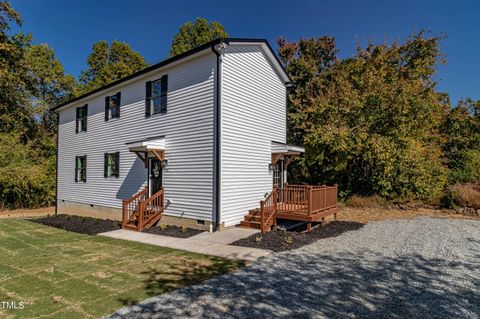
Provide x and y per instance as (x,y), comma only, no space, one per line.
(464,195)
(467,168)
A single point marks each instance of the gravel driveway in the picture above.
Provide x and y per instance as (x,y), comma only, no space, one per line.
(417,268)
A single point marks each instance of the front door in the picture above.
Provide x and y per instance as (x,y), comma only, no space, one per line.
(155,175)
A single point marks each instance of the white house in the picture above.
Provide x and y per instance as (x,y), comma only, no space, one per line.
(206,129)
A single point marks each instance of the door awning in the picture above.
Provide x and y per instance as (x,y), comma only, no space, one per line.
(285,152)
(153,145)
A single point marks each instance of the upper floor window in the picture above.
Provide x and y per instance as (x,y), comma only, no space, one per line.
(156,96)
(111,164)
(81,168)
(81,119)
(112,106)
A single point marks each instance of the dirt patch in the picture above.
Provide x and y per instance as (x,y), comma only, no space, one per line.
(286,240)
(25,213)
(365,215)
(78,224)
(173,231)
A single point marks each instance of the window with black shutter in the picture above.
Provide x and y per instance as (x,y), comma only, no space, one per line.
(156,96)
(81,118)
(111,165)
(81,168)
(112,106)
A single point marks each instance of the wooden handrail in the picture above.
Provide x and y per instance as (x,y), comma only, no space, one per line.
(150,208)
(132,205)
(267,210)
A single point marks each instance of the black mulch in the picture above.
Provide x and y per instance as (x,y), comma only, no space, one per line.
(79,224)
(173,231)
(286,240)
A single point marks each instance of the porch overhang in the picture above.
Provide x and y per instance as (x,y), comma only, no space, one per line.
(285,152)
(152,145)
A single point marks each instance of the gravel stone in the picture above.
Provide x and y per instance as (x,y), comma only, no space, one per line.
(416,268)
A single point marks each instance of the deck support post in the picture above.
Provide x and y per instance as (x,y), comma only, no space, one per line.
(335,216)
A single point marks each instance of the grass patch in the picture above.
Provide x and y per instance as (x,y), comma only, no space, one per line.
(59,274)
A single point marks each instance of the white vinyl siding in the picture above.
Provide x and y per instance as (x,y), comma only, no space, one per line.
(253,115)
(188,131)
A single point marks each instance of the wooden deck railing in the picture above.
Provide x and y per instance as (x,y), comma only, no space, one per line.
(297,200)
(131,206)
(150,208)
(268,207)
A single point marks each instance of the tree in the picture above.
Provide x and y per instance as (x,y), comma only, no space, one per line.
(461,128)
(110,62)
(27,153)
(15,115)
(192,35)
(50,84)
(370,122)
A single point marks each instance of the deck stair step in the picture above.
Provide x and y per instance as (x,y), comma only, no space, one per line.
(250,224)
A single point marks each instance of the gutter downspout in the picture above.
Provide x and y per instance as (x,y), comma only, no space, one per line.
(56,163)
(217,50)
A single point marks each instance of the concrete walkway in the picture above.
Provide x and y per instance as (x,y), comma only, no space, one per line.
(215,244)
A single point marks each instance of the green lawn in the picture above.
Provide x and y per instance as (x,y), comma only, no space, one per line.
(59,274)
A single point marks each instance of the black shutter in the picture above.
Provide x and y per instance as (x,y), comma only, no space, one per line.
(76,167)
(117,164)
(148,96)
(86,116)
(105,165)
(85,169)
(163,98)
(107,107)
(76,119)
(119,97)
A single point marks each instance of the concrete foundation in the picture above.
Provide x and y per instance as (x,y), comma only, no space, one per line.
(102,212)
(79,209)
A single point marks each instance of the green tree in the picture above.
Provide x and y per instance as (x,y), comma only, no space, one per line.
(110,62)
(50,84)
(15,113)
(27,149)
(461,128)
(370,122)
(192,35)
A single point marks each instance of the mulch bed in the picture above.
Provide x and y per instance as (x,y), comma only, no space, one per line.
(79,224)
(173,231)
(287,240)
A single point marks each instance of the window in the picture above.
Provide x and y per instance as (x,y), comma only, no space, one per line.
(82,113)
(156,96)
(81,169)
(111,164)
(112,106)
(276,175)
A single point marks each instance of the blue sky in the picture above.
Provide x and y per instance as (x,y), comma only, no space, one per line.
(71,27)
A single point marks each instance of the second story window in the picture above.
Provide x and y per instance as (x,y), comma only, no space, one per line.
(111,164)
(112,106)
(81,119)
(156,96)
(81,169)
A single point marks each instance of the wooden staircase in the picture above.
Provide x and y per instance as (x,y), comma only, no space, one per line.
(253,219)
(140,211)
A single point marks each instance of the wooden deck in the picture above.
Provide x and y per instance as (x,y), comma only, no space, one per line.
(295,202)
